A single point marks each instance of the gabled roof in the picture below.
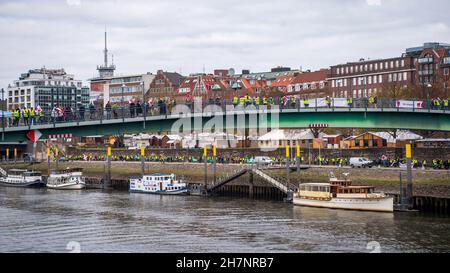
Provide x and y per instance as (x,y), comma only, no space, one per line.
(283,81)
(191,82)
(174,78)
(316,76)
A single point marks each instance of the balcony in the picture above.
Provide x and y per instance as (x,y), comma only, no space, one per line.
(426,72)
(425,60)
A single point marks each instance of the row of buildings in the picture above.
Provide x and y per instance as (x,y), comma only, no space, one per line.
(276,139)
(424,69)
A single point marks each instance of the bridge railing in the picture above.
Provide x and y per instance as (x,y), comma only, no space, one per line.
(69,115)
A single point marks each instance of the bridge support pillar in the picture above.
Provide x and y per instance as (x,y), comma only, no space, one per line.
(251,186)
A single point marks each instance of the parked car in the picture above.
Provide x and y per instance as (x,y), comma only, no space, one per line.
(263,160)
(63,159)
(360,162)
(29,158)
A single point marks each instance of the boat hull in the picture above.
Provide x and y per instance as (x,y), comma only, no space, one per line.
(68,186)
(34,184)
(382,204)
(175,192)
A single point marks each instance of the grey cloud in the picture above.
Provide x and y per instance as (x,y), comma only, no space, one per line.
(187,34)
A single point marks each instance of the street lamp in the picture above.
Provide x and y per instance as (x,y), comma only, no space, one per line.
(3,114)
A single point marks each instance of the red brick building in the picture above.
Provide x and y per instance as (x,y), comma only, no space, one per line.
(310,84)
(425,68)
(165,84)
(432,65)
(367,77)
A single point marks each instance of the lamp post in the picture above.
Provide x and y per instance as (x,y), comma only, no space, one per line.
(3,114)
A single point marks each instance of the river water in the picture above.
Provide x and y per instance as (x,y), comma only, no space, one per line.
(42,220)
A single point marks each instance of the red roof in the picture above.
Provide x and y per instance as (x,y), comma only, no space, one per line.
(190,83)
(283,81)
(316,76)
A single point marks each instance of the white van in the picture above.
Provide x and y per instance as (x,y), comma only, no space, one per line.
(263,160)
(360,162)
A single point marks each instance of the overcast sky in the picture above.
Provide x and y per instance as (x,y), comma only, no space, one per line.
(187,35)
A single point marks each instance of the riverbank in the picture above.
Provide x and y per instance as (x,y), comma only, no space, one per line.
(426,182)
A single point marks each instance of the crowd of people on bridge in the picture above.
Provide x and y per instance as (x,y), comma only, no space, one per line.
(163,106)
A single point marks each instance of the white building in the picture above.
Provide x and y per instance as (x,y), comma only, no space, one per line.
(221,140)
(277,139)
(46,88)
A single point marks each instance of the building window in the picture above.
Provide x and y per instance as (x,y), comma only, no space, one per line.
(351,69)
(380,78)
(337,71)
(371,67)
(346,70)
(354,81)
(390,78)
(392,64)
(403,63)
(376,66)
(375,79)
(370,79)
(446,71)
(397,63)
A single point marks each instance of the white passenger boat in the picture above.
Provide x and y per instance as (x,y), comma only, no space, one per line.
(21,178)
(158,183)
(66,179)
(340,194)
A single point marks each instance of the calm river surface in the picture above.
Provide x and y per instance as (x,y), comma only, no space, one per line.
(41,220)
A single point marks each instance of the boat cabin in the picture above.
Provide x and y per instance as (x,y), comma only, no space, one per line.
(24,173)
(67,171)
(159,177)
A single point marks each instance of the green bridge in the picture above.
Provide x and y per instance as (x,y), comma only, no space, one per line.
(360,118)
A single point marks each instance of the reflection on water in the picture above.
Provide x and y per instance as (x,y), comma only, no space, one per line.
(41,220)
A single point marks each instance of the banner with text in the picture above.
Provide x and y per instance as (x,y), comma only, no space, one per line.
(409,104)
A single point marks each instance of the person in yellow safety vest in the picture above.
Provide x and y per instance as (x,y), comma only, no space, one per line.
(328,101)
(445,103)
(25,116)
(264,100)
(257,101)
(242,101)
(248,100)
(306,103)
(32,115)
(16,116)
(438,103)
(293,102)
(41,116)
(235,101)
(350,102)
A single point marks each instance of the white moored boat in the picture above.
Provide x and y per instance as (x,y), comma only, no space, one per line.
(66,179)
(158,183)
(340,194)
(21,178)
